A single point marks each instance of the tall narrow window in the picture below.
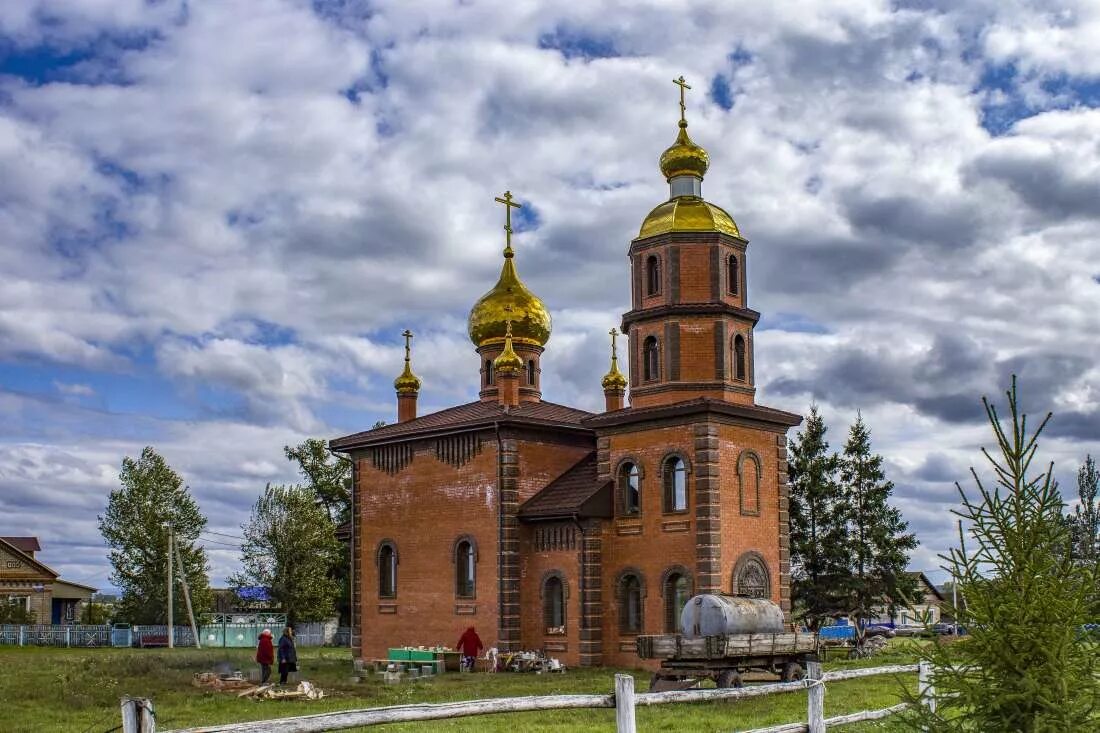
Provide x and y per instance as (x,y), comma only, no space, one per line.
(677,593)
(733,275)
(651,361)
(630,620)
(675,480)
(387,571)
(488,371)
(630,486)
(739,358)
(553,599)
(531,372)
(652,275)
(465,578)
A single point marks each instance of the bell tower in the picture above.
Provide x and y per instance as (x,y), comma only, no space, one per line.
(690,327)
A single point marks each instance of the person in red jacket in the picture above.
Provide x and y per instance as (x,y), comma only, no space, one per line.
(265,655)
(469,644)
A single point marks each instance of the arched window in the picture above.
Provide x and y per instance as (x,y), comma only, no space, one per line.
(675,480)
(751,578)
(387,570)
(465,568)
(630,486)
(652,275)
(553,603)
(488,371)
(651,361)
(677,592)
(630,604)
(531,372)
(733,275)
(739,370)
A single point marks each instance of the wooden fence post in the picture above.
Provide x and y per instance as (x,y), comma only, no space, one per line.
(624,704)
(816,702)
(926,687)
(137,715)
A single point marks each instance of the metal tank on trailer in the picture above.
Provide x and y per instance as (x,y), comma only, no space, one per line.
(711,614)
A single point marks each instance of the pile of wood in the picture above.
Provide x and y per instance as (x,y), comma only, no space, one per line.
(236,683)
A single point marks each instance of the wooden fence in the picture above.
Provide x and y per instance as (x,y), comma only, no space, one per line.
(138,714)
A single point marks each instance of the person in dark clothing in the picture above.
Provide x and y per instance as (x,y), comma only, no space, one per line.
(469,644)
(288,655)
(265,655)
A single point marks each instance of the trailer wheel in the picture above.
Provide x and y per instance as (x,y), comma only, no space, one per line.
(729,678)
(793,672)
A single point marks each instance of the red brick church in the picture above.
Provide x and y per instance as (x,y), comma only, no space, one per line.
(549,527)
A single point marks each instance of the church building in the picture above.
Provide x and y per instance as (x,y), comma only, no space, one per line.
(549,527)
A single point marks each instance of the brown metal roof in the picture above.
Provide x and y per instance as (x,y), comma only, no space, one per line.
(576,493)
(469,415)
(753,413)
(23,544)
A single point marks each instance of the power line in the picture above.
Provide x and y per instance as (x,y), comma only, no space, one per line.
(219,542)
(223,534)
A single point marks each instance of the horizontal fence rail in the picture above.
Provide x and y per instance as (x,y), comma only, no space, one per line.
(623,700)
(103,635)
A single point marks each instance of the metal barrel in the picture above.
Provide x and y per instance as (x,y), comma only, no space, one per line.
(712,614)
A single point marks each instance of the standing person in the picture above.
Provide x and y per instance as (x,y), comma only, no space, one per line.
(288,655)
(469,644)
(265,655)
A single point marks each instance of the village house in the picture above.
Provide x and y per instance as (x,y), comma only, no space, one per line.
(551,527)
(32,584)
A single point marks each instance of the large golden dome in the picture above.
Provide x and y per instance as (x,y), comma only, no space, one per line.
(688,214)
(509,300)
(684,158)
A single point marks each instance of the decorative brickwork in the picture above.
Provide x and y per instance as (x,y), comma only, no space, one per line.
(784,526)
(708,509)
(508,634)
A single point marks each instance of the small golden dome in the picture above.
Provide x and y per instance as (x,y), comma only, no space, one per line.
(684,158)
(688,214)
(508,361)
(407,382)
(614,379)
(490,315)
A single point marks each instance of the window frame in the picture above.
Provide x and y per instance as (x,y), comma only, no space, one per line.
(669,581)
(733,275)
(652,275)
(668,479)
(470,564)
(549,627)
(651,359)
(740,358)
(623,477)
(383,546)
(621,584)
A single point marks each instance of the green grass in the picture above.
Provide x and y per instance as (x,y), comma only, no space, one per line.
(78,690)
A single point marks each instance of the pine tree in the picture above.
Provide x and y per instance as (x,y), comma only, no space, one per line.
(1025,665)
(290,550)
(816,525)
(135,527)
(877,544)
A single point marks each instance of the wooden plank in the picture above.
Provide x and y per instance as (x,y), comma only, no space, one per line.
(851,674)
(709,695)
(409,713)
(624,704)
(925,686)
(865,715)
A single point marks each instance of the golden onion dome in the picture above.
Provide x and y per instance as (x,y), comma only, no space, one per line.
(614,379)
(509,301)
(508,361)
(684,158)
(407,382)
(688,214)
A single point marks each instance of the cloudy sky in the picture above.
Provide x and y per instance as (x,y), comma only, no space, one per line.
(216,217)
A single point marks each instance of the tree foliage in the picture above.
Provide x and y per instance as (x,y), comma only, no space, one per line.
(1084,523)
(877,545)
(290,549)
(1026,664)
(327,474)
(135,527)
(14,612)
(817,536)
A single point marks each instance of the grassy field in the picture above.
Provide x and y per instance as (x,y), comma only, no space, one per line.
(78,690)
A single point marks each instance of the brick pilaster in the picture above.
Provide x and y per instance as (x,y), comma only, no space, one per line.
(591,631)
(784,527)
(708,510)
(356,591)
(508,632)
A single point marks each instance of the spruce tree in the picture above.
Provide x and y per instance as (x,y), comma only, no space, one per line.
(877,544)
(1025,664)
(1084,524)
(135,527)
(816,525)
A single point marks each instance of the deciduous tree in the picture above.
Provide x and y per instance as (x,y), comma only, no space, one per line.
(290,550)
(135,527)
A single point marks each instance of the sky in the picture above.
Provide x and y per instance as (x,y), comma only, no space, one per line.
(216,218)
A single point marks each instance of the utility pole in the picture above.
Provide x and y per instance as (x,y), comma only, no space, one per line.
(187,597)
(955,585)
(171,644)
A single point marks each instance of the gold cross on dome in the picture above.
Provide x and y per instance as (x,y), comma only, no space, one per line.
(408,337)
(614,351)
(683,106)
(509,204)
